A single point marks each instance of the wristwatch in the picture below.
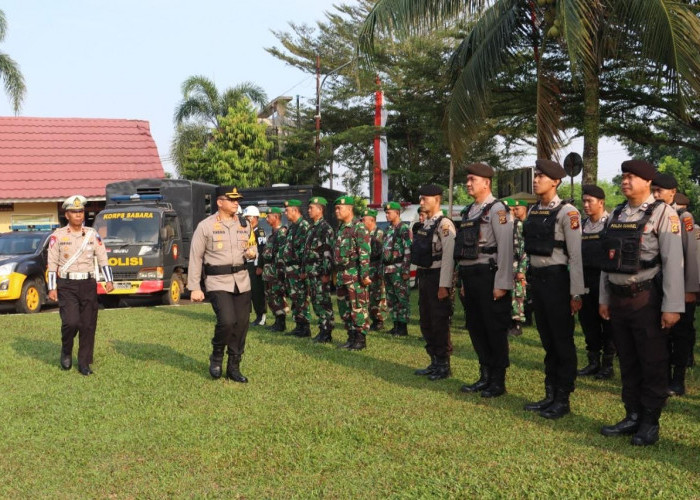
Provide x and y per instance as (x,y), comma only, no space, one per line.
(576,298)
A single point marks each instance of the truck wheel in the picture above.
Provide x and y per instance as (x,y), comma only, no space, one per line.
(32,297)
(109,301)
(172,297)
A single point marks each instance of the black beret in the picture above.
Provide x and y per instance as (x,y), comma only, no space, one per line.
(593,190)
(665,181)
(551,169)
(640,168)
(430,190)
(681,199)
(480,169)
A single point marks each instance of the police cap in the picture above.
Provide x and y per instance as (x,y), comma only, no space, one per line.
(640,168)
(229,192)
(550,168)
(664,181)
(430,190)
(480,169)
(75,202)
(593,190)
(681,199)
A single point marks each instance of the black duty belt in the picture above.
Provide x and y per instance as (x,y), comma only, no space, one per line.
(428,270)
(477,269)
(548,270)
(632,289)
(220,270)
(488,250)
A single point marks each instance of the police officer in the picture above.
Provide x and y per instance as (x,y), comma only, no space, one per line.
(377,302)
(484,250)
(596,330)
(432,252)
(73,250)
(664,187)
(351,257)
(682,202)
(255,266)
(553,243)
(291,255)
(518,209)
(396,265)
(273,269)
(642,293)
(317,263)
(220,246)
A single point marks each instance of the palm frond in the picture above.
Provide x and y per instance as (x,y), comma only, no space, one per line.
(579,21)
(13,81)
(3,25)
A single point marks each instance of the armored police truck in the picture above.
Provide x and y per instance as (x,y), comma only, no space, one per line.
(147,227)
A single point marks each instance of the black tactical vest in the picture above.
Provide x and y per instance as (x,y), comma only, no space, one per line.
(467,239)
(422,246)
(622,243)
(538,231)
(591,248)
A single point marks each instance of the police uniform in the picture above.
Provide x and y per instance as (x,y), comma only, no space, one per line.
(273,274)
(553,244)
(297,286)
(377,300)
(484,251)
(74,259)
(218,251)
(396,267)
(642,276)
(596,330)
(431,251)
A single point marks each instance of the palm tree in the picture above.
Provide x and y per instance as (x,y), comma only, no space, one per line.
(198,113)
(665,35)
(10,73)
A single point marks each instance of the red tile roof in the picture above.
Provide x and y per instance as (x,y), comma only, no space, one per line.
(48,159)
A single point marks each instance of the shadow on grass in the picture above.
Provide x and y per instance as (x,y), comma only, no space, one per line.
(162,354)
(42,350)
(197,314)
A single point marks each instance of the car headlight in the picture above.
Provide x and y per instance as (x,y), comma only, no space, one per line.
(7,268)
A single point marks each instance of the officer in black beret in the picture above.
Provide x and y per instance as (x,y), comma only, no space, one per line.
(642,293)
(682,202)
(431,252)
(596,330)
(664,187)
(553,243)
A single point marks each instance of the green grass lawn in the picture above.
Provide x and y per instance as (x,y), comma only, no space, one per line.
(314,421)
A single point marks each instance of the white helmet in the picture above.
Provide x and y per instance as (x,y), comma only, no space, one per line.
(251,211)
(75,202)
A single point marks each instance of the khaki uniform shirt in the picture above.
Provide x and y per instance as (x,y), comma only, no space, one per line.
(219,242)
(64,243)
(443,241)
(661,235)
(497,232)
(568,229)
(690,251)
(590,227)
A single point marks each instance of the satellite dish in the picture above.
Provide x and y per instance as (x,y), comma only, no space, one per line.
(573,164)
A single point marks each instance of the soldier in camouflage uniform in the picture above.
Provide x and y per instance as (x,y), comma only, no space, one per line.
(351,257)
(396,260)
(377,302)
(317,262)
(292,254)
(518,209)
(273,269)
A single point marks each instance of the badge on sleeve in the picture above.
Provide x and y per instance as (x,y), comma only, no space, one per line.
(688,223)
(52,241)
(573,219)
(675,224)
(502,215)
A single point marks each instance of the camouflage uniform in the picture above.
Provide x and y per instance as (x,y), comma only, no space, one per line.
(273,271)
(296,285)
(396,258)
(317,261)
(520,262)
(377,301)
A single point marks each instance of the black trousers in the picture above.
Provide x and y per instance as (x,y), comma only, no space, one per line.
(596,330)
(435,315)
(681,338)
(232,317)
(257,289)
(487,319)
(77,300)
(555,324)
(642,347)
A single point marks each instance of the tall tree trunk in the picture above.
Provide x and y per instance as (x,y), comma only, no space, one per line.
(591,126)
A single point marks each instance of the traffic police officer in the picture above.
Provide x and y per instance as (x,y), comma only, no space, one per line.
(317,263)
(553,243)
(641,292)
(377,302)
(596,330)
(484,250)
(396,265)
(72,273)
(220,245)
(291,255)
(273,269)
(432,252)
(255,266)
(664,187)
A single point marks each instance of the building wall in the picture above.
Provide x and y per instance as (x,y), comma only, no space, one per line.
(24,209)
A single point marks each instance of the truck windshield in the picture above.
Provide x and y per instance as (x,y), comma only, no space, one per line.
(128,228)
(19,244)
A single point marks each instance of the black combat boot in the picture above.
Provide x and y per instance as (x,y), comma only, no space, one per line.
(497,383)
(215,361)
(480,384)
(402,331)
(606,367)
(297,328)
(677,385)
(350,342)
(233,369)
(627,425)
(442,368)
(393,329)
(593,365)
(324,336)
(559,407)
(376,325)
(542,403)
(360,342)
(428,370)
(305,331)
(66,360)
(648,432)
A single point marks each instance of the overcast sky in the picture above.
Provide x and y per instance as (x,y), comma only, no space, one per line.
(128,58)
